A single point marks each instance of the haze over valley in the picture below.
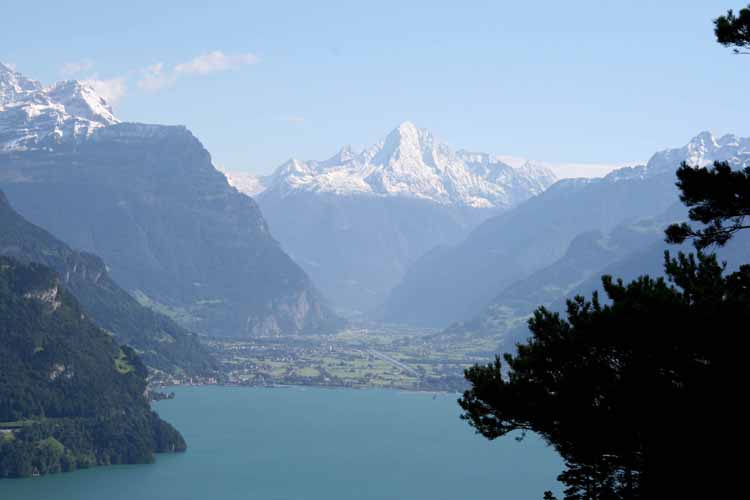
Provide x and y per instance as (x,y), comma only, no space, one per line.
(439,244)
(283,296)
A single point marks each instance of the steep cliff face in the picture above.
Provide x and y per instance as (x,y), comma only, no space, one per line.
(147,199)
(162,343)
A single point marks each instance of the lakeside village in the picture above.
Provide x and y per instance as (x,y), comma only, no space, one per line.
(366,357)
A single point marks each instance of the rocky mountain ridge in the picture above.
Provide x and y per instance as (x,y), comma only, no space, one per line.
(148,200)
(409,163)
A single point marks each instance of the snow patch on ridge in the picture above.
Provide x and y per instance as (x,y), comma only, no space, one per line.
(244,182)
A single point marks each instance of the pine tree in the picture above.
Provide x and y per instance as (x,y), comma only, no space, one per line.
(719,199)
(733,30)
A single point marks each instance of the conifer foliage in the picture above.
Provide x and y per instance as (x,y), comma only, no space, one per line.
(637,391)
(733,30)
(621,388)
(719,200)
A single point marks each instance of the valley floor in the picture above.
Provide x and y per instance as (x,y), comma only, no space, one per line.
(378,357)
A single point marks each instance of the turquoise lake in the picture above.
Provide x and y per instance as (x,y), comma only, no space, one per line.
(315,444)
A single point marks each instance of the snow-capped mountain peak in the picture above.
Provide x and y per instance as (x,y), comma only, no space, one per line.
(406,142)
(33,116)
(703,149)
(410,162)
(80,99)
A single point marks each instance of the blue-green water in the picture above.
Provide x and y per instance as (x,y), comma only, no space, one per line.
(295,444)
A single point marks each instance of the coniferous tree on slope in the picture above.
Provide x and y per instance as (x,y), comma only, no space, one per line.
(719,200)
(639,394)
(719,196)
(632,392)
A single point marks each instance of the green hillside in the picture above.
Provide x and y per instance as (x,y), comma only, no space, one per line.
(70,396)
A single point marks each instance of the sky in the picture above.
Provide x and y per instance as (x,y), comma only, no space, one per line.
(593,82)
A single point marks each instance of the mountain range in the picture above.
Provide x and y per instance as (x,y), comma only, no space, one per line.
(148,200)
(406,231)
(559,244)
(357,220)
(628,252)
(409,163)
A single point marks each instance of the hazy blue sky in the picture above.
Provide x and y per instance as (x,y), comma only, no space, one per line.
(258,82)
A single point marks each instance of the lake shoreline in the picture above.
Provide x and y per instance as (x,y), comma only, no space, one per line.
(167,387)
(314,443)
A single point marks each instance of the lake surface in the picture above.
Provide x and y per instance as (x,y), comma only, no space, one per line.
(315,444)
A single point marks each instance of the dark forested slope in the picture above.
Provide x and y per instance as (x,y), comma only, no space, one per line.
(162,343)
(72,397)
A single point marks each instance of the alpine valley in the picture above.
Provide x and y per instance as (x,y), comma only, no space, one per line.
(372,251)
(406,232)
(410,232)
(558,245)
(356,221)
(126,258)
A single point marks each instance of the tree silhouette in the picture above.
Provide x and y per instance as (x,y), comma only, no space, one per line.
(624,391)
(733,30)
(637,393)
(718,197)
